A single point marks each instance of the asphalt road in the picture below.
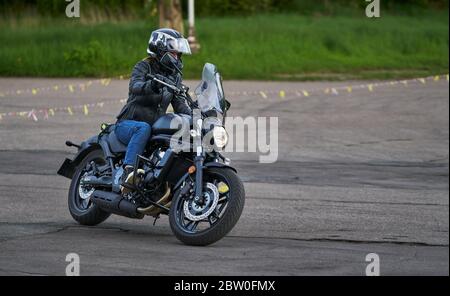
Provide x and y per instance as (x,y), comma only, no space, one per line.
(357,173)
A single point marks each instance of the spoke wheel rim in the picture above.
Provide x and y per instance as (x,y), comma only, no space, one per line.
(192,227)
(83,193)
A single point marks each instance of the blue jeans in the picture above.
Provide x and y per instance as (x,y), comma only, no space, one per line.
(135,134)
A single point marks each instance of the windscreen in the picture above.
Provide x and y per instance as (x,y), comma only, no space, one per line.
(210,95)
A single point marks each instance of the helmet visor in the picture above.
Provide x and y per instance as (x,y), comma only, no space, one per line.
(180,45)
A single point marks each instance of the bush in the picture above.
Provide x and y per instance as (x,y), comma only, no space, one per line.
(117,9)
(55,8)
(86,58)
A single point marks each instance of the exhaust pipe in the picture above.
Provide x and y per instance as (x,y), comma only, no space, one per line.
(114,203)
(103,181)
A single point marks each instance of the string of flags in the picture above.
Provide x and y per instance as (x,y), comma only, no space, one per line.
(50,112)
(338,89)
(72,88)
(45,113)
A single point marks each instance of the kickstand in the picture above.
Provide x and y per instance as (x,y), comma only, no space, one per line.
(154,221)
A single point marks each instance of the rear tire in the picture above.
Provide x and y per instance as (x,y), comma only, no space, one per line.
(227,221)
(93,215)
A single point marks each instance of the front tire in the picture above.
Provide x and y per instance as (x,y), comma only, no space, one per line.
(224,224)
(82,212)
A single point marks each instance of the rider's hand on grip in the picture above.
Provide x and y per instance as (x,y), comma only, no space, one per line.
(152,85)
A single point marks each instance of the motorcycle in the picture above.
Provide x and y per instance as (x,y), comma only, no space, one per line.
(195,186)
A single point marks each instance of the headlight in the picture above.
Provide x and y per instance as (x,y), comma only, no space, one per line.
(220,136)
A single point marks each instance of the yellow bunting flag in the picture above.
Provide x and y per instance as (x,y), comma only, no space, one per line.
(263,94)
(349,89)
(282,93)
(121,77)
(305,93)
(70,110)
(105,82)
(71,88)
(56,87)
(422,80)
(327,90)
(436,78)
(34,91)
(370,87)
(447,77)
(52,112)
(86,110)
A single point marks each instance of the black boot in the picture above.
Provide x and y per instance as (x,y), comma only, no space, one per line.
(128,179)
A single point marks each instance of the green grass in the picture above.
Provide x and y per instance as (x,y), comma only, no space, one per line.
(288,47)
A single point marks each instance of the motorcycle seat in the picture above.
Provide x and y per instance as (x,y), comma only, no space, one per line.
(114,144)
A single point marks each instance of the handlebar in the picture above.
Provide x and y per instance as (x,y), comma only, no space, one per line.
(171,86)
(183,91)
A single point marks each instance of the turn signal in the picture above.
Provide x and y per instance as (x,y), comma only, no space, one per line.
(191,170)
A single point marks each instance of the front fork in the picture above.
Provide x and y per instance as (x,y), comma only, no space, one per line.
(199,177)
(198,161)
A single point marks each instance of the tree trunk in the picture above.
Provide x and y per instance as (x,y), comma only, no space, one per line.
(170,15)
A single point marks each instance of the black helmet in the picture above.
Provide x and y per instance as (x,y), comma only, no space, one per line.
(167,46)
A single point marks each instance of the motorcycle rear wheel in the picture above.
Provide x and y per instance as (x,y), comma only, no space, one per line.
(82,212)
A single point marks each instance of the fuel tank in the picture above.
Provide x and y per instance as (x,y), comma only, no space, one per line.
(170,123)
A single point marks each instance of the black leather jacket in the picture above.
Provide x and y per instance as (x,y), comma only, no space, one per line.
(146,101)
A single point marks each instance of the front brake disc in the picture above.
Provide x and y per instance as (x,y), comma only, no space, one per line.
(195,212)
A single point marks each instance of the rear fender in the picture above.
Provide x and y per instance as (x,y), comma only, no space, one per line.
(69,166)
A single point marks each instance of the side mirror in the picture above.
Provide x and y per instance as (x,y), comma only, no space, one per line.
(227,105)
(225,108)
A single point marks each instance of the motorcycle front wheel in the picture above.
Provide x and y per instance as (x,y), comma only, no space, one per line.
(203,222)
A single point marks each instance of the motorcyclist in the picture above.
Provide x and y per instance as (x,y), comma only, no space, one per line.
(148,100)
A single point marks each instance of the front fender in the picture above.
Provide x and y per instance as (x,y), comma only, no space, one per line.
(215,164)
(206,166)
